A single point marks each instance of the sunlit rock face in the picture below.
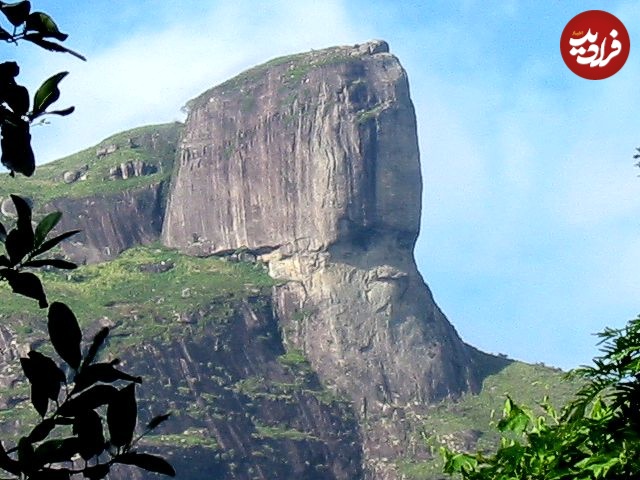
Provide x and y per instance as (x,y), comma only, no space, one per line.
(311,162)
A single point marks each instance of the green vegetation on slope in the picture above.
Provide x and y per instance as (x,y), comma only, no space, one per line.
(455,422)
(154,145)
(146,290)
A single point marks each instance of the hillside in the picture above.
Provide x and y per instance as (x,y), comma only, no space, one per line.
(192,304)
(256,265)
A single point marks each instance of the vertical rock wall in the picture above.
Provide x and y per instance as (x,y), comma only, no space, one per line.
(312,161)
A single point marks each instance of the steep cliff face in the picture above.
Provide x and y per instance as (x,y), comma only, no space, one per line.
(312,162)
(110,223)
(308,151)
(133,170)
(114,192)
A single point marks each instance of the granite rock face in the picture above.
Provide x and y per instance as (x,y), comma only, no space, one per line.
(114,219)
(111,223)
(251,415)
(312,163)
(312,151)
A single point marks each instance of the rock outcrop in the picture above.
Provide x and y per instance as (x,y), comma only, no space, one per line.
(239,409)
(116,215)
(312,160)
(110,223)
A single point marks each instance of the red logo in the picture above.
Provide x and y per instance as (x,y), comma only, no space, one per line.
(595,44)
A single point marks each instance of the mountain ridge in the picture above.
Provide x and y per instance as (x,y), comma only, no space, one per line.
(307,165)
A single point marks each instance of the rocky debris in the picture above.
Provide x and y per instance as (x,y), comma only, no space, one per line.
(8,209)
(160,267)
(132,168)
(71,176)
(106,150)
(371,48)
(464,441)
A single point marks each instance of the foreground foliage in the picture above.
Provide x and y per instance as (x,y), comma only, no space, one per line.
(595,436)
(77,399)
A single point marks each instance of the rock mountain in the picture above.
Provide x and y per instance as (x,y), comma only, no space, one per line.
(308,165)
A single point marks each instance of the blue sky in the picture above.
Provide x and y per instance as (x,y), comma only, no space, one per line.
(530,233)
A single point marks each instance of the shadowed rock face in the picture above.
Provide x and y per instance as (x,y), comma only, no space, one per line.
(113,222)
(314,160)
(110,224)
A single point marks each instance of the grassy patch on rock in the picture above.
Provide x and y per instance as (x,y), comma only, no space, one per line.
(146,292)
(153,145)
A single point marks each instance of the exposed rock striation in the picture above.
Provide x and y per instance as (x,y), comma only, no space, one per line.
(110,223)
(238,410)
(312,161)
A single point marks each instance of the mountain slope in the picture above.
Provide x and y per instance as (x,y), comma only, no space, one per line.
(307,343)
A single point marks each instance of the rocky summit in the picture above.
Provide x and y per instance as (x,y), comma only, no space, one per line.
(256,264)
(312,162)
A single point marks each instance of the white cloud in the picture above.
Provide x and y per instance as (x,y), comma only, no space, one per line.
(147,77)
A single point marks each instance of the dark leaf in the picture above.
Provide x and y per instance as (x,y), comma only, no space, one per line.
(157,420)
(45,226)
(4,35)
(25,455)
(42,430)
(47,94)
(27,284)
(90,399)
(7,463)
(38,39)
(58,450)
(63,421)
(97,342)
(23,210)
(122,414)
(51,474)
(8,72)
(45,378)
(18,244)
(88,428)
(17,154)
(148,462)
(16,13)
(3,233)
(97,472)
(44,25)
(63,113)
(51,262)
(101,372)
(49,244)
(65,334)
(17,97)
(39,399)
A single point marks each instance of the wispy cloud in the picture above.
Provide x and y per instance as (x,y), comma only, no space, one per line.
(147,76)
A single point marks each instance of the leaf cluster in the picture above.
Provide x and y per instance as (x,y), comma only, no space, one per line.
(17,113)
(79,401)
(88,408)
(595,436)
(24,248)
